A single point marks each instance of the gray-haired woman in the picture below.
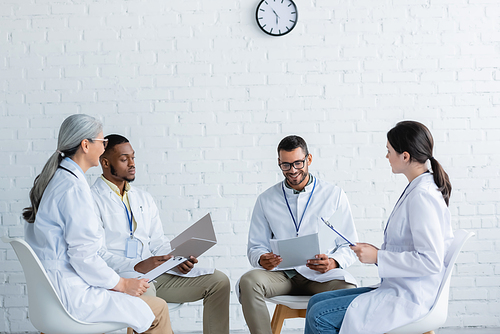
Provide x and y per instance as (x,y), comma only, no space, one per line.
(64,232)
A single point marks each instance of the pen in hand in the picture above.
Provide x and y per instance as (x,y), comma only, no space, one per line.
(334,230)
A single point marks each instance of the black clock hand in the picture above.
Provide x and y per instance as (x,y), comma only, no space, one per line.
(277,16)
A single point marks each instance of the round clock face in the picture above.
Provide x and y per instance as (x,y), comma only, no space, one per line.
(276,17)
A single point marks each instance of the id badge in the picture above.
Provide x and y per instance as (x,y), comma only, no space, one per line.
(131,248)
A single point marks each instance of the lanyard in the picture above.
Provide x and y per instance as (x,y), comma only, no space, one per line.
(297,227)
(129,217)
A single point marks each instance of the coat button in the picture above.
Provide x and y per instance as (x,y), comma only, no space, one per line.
(354,305)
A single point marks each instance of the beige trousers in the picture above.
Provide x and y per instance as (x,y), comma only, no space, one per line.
(257,284)
(214,289)
(161,324)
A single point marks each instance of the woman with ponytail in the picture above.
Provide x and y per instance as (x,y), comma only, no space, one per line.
(410,262)
(65,234)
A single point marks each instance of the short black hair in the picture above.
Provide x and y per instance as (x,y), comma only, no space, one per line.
(114,140)
(290,143)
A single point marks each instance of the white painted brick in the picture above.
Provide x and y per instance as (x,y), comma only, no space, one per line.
(31,10)
(59,9)
(28,36)
(170,107)
(341,90)
(343,65)
(205,107)
(96,9)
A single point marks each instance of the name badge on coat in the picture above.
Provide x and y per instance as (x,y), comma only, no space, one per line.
(131,248)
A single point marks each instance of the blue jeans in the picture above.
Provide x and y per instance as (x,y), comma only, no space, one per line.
(326,310)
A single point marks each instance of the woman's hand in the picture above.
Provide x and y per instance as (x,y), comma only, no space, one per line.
(132,286)
(366,253)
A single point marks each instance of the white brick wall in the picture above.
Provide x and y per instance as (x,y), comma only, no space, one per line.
(205,96)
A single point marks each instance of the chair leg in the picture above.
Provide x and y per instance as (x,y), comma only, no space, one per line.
(430,332)
(130,330)
(282,312)
(278,319)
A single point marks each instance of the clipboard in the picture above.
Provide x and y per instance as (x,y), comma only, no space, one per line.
(327,223)
(193,241)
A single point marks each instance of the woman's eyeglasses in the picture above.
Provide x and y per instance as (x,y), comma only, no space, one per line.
(104,141)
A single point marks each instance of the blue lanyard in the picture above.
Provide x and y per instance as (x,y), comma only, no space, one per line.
(129,217)
(297,227)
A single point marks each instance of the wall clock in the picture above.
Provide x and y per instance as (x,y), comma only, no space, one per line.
(276,17)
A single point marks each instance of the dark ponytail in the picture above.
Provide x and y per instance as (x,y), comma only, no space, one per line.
(414,138)
(441,179)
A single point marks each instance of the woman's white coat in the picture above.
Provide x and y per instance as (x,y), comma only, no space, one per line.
(410,262)
(66,238)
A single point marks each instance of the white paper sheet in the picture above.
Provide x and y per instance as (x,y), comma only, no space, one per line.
(193,241)
(164,267)
(295,251)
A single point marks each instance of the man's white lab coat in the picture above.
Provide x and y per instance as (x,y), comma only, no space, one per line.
(271,219)
(149,232)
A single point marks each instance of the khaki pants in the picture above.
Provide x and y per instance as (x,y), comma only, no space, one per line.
(214,289)
(161,324)
(257,284)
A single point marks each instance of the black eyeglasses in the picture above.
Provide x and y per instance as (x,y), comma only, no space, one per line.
(299,164)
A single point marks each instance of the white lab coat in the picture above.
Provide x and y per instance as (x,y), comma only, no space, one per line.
(271,219)
(65,236)
(410,262)
(149,232)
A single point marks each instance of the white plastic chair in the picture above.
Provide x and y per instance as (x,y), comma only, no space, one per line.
(287,307)
(439,311)
(295,306)
(46,311)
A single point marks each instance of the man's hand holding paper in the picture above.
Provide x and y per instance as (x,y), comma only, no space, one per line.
(322,263)
(186,266)
(269,261)
(151,263)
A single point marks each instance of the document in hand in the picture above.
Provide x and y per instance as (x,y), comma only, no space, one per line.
(193,241)
(295,251)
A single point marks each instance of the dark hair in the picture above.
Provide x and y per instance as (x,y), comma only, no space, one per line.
(292,142)
(416,139)
(114,140)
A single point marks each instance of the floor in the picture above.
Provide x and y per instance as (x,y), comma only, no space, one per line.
(442,331)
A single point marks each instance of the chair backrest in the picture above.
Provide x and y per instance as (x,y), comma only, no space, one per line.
(460,238)
(46,311)
(439,312)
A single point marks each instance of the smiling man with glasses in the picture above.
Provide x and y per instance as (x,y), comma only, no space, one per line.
(292,208)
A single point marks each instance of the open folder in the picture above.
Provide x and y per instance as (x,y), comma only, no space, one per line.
(193,241)
(295,251)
